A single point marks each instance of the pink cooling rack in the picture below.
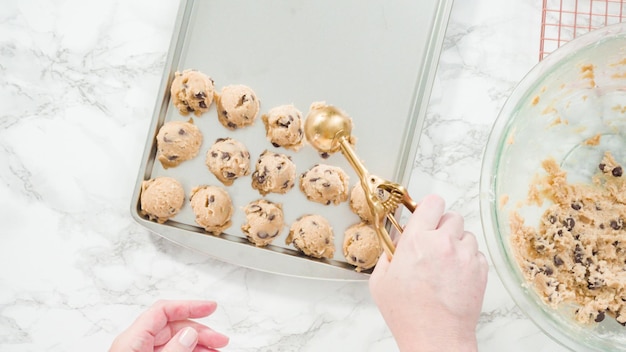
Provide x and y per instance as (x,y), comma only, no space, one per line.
(564,20)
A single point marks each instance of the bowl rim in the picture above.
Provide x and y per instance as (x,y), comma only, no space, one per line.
(508,271)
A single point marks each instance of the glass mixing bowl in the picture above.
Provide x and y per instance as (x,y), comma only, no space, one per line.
(576,93)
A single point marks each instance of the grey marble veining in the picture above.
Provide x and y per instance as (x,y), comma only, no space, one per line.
(78,83)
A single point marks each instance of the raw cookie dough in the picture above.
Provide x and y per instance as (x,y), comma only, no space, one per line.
(264,221)
(577,253)
(213,208)
(177,141)
(358,203)
(192,91)
(313,236)
(228,159)
(361,246)
(325,184)
(274,173)
(283,127)
(161,198)
(237,106)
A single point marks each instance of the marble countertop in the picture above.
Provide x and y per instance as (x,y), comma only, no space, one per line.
(78,83)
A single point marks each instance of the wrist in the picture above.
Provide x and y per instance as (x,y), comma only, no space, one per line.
(444,341)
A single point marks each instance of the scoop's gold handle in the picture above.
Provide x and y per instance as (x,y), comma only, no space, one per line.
(329,130)
(374,203)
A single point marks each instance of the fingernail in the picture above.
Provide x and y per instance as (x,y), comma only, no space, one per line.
(188,337)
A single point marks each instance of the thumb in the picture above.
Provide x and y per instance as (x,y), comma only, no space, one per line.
(427,216)
(184,341)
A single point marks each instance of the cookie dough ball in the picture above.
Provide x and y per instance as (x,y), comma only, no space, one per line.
(161,198)
(358,203)
(237,106)
(213,208)
(177,141)
(264,221)
(228,159)
(313,236)
(361,246)
(283,127)
(274,173)
(192,91)
(325,184)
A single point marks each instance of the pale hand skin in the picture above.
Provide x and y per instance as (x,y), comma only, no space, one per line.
(167,327)
(430,294)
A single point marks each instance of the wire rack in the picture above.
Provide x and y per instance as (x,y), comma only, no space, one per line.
(564,20)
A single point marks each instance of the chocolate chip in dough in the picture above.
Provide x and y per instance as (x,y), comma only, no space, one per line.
(599,317)
(569,223)
(558,261)
(617,171)
(617,224)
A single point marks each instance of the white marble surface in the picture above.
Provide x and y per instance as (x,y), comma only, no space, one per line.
(78,82)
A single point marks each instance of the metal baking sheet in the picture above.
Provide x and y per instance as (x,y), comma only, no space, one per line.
(374,59)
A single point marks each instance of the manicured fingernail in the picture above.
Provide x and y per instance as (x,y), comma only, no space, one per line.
(188,337)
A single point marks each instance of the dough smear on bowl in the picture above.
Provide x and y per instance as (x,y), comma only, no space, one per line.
(577,253)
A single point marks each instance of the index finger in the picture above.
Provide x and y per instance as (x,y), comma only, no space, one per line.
(163,312)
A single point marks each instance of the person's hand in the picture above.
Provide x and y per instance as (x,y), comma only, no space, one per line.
(430,294)
(166,327)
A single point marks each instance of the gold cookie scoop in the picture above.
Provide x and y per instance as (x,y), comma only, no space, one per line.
(328,129)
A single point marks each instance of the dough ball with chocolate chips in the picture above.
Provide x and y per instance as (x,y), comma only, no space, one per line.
(361,246)
(325,184)
(358,202)
(237,106)
(177,141)
(192,91)
(274,173)
(264,221)
(228,159)
(161,198)
(213,208)
(312,235)
(283,127)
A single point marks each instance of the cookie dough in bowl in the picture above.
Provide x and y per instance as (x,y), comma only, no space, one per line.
(325,184)
(283,127)
(361,246)
(552,199)
(212,207)
(312,235)
(192,91)
(237,106)
(228,159)
(178,141)
(161,198)
(274,173)
(264,221)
